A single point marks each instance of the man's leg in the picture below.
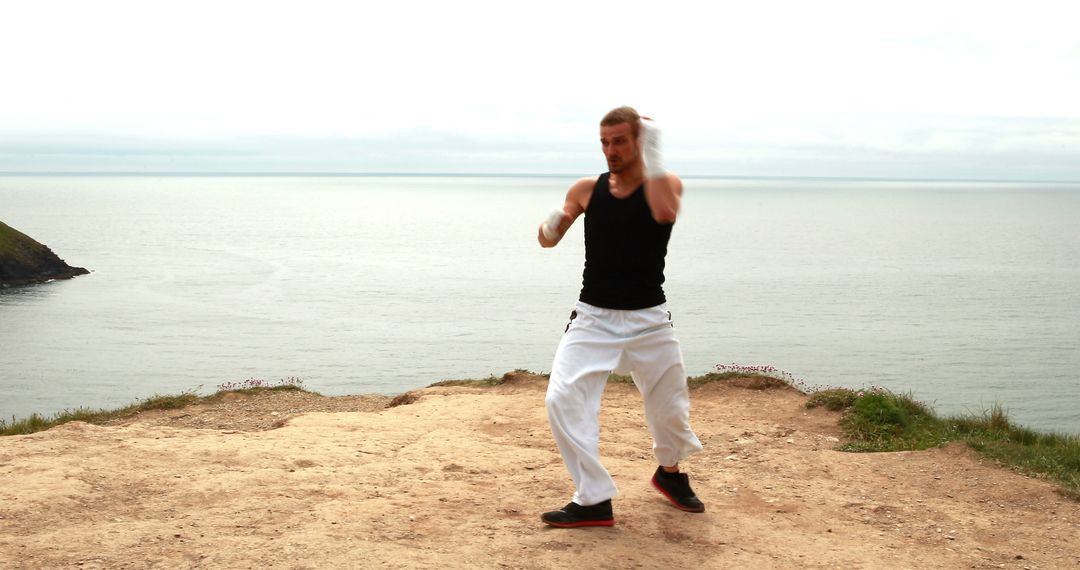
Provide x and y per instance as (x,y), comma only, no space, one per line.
(585,357)
(582,364)
(659,374)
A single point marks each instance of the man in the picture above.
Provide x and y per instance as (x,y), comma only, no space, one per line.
(621,321)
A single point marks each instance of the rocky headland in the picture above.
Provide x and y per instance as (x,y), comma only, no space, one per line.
(23,260)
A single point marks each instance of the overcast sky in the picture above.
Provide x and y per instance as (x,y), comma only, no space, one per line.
(975,90)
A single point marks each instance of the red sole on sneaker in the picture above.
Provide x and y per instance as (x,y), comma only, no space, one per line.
(672,499)
(582,523)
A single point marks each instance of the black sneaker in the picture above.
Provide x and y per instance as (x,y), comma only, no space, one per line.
(574,515)
(676,487)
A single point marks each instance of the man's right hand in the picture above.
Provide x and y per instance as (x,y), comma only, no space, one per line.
(553,227)
(560,219)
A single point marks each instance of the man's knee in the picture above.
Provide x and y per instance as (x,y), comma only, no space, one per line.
(557,397)
(569,400)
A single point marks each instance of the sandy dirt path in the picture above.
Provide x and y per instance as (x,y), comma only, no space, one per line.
(459,477)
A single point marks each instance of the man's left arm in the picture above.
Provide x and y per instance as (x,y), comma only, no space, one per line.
(664,196)
(663,190)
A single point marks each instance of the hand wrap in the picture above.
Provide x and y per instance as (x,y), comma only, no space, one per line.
(650,150)
(551,224)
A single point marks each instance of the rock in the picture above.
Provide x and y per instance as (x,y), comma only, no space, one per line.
(24,261)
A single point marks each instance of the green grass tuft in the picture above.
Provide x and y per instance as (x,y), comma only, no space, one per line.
(879,420)
(256,385)
(478,382)
(743,379)
(36,422)
(491,380)
(832,399)
(695,381)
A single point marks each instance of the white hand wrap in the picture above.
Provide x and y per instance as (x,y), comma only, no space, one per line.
(650,150)
(551,224)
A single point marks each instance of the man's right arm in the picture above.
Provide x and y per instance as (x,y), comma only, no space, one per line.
(577,200)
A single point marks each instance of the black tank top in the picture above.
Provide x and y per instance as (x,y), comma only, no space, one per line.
(624,251)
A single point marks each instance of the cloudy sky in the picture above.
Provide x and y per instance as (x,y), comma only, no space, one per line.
(943,89)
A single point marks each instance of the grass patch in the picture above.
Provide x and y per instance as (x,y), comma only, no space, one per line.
(256,385)
(879,420)
(833,399)
(749,380)
(37,422)
(491,380)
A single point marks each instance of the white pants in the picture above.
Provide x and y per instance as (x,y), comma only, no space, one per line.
(597,342)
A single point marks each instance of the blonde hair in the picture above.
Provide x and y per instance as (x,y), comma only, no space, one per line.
(620,115)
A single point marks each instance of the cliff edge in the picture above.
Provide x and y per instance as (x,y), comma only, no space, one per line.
(457,477)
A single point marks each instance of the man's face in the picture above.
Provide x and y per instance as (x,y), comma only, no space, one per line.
(620,147)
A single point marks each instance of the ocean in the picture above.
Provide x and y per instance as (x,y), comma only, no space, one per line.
(964,294)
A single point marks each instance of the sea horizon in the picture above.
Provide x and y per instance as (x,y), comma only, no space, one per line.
(394,174)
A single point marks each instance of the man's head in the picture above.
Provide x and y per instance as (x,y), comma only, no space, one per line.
(618,138)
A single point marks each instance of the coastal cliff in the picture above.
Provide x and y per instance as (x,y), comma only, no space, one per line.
(456,476)
(23,260)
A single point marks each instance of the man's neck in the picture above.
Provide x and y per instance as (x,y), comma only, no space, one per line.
(629,178)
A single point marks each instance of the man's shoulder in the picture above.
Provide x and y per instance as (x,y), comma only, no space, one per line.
(588,181)
(584,185)
(580,192)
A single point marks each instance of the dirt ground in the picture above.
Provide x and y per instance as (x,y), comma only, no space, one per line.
(459,477)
